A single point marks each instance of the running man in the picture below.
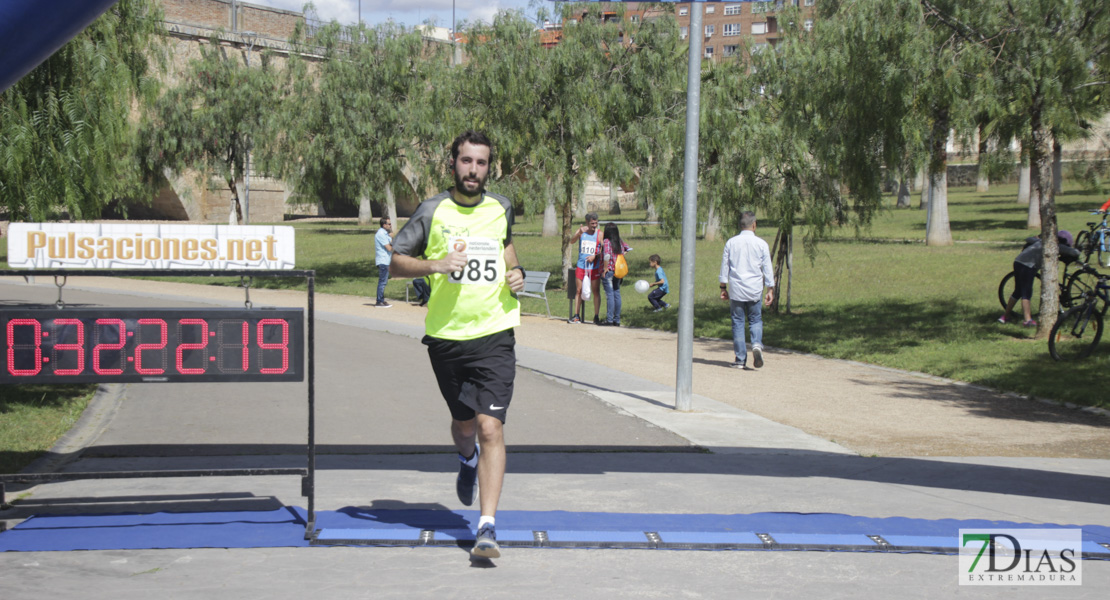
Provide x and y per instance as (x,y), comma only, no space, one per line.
(461,242)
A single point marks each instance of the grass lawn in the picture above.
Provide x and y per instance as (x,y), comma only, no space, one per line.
(881,297)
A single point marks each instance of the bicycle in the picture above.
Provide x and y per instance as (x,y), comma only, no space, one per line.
(1072,287)
(1095,240)
(1078,331)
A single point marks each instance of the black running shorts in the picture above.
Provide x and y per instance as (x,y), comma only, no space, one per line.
(475,376)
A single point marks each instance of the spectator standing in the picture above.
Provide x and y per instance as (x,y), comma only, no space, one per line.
(383,249)
(611,247)
(745,272)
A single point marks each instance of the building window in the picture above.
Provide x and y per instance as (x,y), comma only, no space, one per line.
(808,24)
(684,32)
(809,2)
(759,28)
(759,47)
(682,12)
(732,29)
(733,9)
(710,9)
(729,50)
(710,30)
(709,51)
(762,7)
(635,18)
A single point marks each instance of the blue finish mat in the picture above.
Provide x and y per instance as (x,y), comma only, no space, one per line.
(285,527)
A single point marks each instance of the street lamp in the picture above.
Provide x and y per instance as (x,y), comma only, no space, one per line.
(249,37)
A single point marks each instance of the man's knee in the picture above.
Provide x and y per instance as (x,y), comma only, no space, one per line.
(489,429)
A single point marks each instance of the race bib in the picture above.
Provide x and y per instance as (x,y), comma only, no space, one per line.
(483,261)
(589,247)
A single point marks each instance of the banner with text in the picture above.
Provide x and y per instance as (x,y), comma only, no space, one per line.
(149,246)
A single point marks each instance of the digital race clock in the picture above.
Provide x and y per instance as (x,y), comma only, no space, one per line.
(151,345)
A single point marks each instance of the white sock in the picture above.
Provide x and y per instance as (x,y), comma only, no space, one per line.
(485,520)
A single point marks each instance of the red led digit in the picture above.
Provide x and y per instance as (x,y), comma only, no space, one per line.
(121,341)
(159,346)
(181,348)
(13,347)
(228,350)
(283,346)
(79,346)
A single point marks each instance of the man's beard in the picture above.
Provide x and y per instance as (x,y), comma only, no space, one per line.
(459,187)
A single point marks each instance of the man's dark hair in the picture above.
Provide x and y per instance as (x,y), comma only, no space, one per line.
(747,219)
(476,138)
(383,221)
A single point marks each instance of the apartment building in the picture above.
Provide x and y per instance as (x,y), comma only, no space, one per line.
(726,26)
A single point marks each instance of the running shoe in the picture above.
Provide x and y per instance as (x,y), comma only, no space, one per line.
(466,484)
(383,304)
(757,353)
(1002,319)
(1029,323)
(485,546)
(574,319)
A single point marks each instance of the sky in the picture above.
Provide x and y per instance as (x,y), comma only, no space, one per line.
(409,12)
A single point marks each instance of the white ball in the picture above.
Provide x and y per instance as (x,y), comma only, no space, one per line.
(642,286)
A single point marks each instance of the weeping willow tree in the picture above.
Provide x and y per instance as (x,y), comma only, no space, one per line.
(210,119)
(67,139)
(558,113)
(360,117)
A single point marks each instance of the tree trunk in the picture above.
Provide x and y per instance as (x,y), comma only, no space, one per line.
(235,211)
(550,219)
(568,206)
(365,212)
(614,203)
(938,232)
(1041,183)
(1023,177)
(903,193)
(1033,215)
(652,214)
(983,184)
(1057,166)
(390,208)
(923,176)
(712,224)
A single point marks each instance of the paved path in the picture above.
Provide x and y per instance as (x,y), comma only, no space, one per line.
(583,436)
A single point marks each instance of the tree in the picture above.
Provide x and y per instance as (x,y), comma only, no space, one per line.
(1050,62)
(356,119)
(211,118)
(66,132)
(558,113)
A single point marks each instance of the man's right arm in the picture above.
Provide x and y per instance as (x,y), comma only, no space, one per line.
(410,266)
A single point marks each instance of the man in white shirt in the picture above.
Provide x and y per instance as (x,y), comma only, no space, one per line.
(745,271)
(383,255)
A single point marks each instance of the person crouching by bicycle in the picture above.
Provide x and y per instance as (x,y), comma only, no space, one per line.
(1026,266)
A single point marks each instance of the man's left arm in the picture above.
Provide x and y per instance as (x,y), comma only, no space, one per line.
(514,277)
(768,277)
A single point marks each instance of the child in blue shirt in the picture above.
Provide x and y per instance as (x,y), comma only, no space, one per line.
(656,295)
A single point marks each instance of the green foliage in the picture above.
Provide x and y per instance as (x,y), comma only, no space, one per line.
(66,137)
(360,111)
(210,119)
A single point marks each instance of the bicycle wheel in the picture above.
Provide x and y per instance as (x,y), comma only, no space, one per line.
(1078,284)
(1076,333)
(1006,289)
(1084,246)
